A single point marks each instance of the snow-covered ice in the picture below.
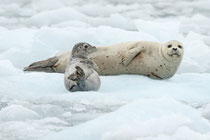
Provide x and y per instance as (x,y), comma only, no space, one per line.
(127,107)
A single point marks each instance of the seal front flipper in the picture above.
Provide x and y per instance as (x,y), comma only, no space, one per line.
(78,80)
(131,55)
(78,75)
(45,65)
(81,76)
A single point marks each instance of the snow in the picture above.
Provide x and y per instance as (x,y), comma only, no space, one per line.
(127,107)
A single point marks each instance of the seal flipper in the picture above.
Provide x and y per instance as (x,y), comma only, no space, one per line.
(81,75)
(78,78)
(132,54)
(45,65)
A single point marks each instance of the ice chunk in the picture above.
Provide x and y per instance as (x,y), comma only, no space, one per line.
(197,23)
(160,29)
(48,110)
(7,68)
(67,114)
(143,119)
(17,113)
(30,129)
(196,55)
(55,17)
(205,110)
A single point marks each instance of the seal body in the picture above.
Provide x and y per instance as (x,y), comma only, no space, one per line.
(80,73)
(145,58)
(155,60)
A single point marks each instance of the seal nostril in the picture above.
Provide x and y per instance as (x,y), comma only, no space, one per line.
(174,49)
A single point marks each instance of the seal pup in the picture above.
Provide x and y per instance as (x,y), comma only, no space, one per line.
(80,73)
(152,59)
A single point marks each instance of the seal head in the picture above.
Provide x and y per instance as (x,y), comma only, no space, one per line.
(172,50)
(82,50)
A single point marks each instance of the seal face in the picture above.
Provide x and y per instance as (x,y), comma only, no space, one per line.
(172,50)
(80,74)
(82,50)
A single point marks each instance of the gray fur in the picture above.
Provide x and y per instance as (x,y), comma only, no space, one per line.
(80,74)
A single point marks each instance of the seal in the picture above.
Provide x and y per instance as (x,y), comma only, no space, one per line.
(152,59)
(80,73)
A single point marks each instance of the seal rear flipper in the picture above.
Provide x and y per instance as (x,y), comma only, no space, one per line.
(44,65)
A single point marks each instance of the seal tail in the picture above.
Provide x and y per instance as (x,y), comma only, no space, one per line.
(44,65)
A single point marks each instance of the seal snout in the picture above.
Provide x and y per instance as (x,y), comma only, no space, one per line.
(174,49)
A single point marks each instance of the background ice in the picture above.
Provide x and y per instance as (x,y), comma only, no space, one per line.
(36,105)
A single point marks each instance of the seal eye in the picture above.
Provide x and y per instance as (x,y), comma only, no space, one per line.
(180,46)
(169,46)
(85,46)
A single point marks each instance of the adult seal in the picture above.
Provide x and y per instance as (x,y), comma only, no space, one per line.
(152,59)
(80,73)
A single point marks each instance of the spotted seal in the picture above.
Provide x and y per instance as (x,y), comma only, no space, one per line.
(152,59)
